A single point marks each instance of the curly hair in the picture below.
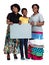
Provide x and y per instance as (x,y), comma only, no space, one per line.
(15,5)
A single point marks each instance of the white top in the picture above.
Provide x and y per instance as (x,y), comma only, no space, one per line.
(37,18)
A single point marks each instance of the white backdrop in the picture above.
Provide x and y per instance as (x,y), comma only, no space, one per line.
(4,10)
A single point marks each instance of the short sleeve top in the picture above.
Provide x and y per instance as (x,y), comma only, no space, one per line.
(37,18)
(14,17)
(24,20)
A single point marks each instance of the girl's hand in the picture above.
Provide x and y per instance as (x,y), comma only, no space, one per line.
(20,23)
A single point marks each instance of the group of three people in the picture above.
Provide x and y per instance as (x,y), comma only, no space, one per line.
(36,21)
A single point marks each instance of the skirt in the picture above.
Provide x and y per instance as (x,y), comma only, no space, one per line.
(35,49)
(11,45)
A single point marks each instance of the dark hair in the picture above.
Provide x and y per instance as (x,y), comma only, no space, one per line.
(23,9)
(35,5)
(15,5)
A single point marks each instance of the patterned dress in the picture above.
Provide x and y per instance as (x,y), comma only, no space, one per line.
(11,46)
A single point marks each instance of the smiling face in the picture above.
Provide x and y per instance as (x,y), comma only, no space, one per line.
(24,12)
(15,9)
(35,9)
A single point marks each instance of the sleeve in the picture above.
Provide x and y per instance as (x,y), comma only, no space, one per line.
(30,19)
(9,16)
(20,18)
(41,19)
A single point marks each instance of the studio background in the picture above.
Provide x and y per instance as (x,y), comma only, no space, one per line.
(4,10)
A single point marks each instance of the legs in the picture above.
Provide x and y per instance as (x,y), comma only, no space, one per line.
(23,42)
(21,47)
(15,55)
(25,46)
(10,45)
(8,56)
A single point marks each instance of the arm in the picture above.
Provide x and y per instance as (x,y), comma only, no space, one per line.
(40,23)
(37,23)
(9,22)
(19,22)
(30,21)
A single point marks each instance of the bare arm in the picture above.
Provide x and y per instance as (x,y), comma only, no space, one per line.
(20,22)
(9,22)
(40,23)
(37,23)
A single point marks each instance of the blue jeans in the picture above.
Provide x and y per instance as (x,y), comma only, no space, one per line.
(23,42)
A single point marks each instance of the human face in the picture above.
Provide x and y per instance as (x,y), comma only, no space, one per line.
(24,13)
(15,9)
(35,9)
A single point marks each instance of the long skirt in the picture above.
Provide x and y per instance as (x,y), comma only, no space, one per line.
(35,46)
(11,45)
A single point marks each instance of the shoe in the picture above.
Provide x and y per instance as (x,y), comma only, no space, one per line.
(27,58)
(8,57)
(22,58)
(15,57)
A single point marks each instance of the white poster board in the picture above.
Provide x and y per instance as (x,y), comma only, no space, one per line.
(20,31)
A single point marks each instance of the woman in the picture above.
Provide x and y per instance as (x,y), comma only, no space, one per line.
(11,45)
(37,21)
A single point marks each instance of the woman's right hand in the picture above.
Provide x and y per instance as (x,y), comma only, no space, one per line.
(9,22)
(32,23)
